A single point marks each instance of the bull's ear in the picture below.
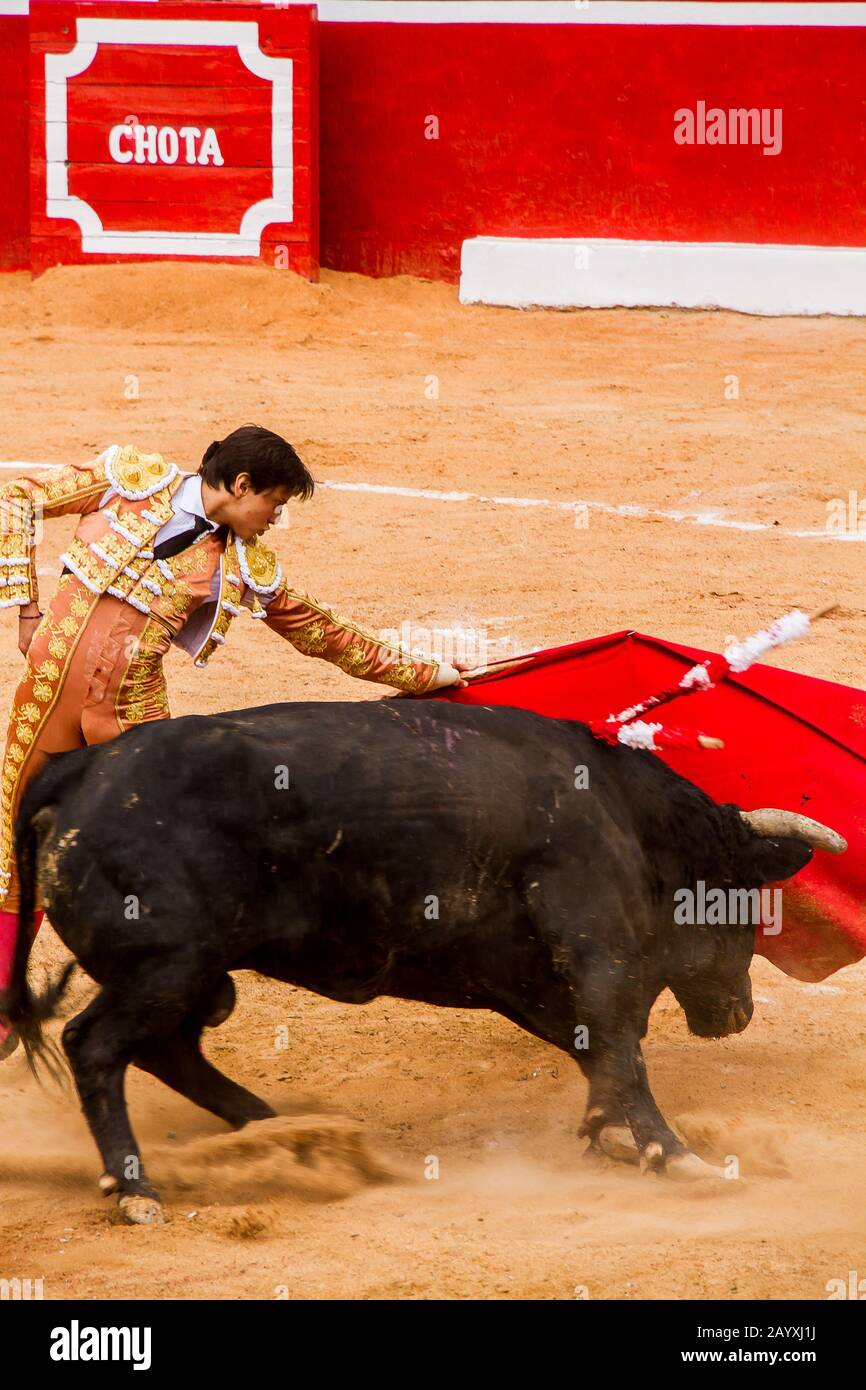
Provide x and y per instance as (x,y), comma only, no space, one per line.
(770,861)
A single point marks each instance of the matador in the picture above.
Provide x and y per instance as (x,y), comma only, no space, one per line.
(160,557)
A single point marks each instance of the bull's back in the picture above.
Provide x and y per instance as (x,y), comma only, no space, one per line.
(375,764)
(384,775)
(369,826)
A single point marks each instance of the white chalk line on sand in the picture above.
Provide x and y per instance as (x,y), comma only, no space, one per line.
(707,517)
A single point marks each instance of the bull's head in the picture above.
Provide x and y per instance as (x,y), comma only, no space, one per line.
(711,979)
(710,970)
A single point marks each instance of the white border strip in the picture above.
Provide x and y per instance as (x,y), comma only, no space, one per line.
(22,7)
(724,13)
(635,12)
(604,273)
(710,517)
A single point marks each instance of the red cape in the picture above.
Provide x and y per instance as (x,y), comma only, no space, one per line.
(790,741)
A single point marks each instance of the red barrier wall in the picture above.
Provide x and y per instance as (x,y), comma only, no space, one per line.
(543,130)
(567,130)
(14,171)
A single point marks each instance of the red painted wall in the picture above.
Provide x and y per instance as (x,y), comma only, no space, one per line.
(562,130)
(14,148)
(543,130)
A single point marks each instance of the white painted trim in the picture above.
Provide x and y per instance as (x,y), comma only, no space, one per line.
(240,34)
(637,12)
(590,273)
(279,207)
(710,516)
(192,33)
(22,7)
(774,13)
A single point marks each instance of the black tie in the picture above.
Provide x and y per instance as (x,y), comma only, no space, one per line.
(175,544)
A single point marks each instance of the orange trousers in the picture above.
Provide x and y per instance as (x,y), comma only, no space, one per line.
(94,668)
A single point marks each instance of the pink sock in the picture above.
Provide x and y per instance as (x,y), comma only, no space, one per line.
(8,937)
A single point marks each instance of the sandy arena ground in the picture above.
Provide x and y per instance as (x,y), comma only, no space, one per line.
(393,382)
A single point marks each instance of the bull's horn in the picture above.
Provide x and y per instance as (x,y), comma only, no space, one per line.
(770,823)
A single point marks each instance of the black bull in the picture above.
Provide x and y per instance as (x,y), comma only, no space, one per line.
(451,854)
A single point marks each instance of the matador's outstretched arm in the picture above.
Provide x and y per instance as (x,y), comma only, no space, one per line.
(316,631)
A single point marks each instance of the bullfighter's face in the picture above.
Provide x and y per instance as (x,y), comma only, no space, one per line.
(249,513)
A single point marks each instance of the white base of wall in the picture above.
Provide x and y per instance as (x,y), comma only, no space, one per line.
(569,273)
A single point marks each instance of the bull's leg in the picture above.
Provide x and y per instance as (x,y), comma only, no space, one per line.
(586,998)
(619,1094)
(617,1078)
(99,1047)
(604,1121)
(178,1061)
(621,1111)
(653,1137)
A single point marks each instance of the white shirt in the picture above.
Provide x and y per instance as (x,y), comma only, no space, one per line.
(186,505)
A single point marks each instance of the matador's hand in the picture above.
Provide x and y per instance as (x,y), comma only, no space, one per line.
(29,619)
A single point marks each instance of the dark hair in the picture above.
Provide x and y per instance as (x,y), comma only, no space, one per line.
(268,458)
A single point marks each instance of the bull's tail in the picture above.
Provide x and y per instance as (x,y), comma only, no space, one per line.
(27,1009)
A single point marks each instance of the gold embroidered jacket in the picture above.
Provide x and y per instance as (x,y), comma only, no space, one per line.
(123,498)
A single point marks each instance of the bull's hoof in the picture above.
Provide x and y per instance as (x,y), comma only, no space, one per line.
(142,1211)
(617,1141)
(687,1167)
(652,1160)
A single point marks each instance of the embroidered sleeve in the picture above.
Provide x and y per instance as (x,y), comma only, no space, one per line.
(316,631)
(24,503)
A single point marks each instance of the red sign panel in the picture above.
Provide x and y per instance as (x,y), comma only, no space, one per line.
(177,130)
